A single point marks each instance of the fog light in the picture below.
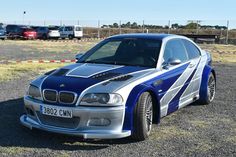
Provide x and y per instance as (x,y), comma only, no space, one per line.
(99,122)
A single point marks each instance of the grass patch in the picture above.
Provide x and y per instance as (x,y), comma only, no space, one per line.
(168,132)
(200,123)
(14,150)
(13,71)
(202,146)
(47,46)
(221,53)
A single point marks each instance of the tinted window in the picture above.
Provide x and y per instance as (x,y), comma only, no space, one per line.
(68,28)
(175,49)
(193,51)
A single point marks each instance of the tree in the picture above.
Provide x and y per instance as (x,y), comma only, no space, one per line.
(134,25)
(115,25)
(192,25)
(175,26)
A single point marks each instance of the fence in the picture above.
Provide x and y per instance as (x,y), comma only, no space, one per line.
(225,30)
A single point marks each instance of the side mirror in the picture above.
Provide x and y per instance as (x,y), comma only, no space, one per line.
(174,61)
(78,56)
(171,61)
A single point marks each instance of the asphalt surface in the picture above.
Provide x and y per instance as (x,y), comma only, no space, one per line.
(196,130)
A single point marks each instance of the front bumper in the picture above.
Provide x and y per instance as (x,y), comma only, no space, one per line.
(83,128)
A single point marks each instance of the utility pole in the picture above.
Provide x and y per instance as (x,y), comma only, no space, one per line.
(78,22)
(198,23)
(98,28)
(227,34)
(169,27)
(120,26)
(24,12)
(143,26)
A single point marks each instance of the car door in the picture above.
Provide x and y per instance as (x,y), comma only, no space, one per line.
(39,32)
(62,32)
(176,77)
(193,88)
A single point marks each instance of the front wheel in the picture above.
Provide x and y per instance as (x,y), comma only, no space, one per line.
(211,90)
(143,117)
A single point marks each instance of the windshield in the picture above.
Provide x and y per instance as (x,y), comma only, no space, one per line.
(133,52)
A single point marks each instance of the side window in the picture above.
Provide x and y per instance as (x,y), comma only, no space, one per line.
(175,49)
(61,29)
(77,29)
(193,51)
(68,29)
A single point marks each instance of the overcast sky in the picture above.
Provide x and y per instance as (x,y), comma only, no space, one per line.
(107,11)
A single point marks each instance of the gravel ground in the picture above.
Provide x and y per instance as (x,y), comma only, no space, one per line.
(196,130)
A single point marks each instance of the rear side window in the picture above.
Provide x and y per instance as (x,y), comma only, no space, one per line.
(193,51)
(175,49)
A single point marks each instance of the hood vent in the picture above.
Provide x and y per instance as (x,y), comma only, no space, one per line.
(122,78)
(106,75)
(119,78)
(60,72)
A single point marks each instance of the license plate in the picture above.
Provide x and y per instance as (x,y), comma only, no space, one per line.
(56,111)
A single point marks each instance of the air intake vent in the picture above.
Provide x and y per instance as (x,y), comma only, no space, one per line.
(60,72)
(119,78)
(106,75)
(122,78)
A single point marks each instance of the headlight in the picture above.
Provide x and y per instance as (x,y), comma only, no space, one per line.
(101,99)
(34,92)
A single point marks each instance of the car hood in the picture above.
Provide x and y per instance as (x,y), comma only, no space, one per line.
(80,77)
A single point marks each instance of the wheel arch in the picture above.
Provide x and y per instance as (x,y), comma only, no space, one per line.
(132,101)
(203,87)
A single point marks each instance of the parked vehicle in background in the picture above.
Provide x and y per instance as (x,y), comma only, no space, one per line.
(71,32)
(20,32)
(42,32)
(53,32)
(2,33)
(12,29)
(28,33)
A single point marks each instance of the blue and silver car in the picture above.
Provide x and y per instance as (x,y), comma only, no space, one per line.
(121,87)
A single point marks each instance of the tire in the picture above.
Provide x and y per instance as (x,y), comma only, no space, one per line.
(44,37)
(211,90)
(70,37)
(143,117)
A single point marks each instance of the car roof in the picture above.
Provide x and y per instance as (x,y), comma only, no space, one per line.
(144,36)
